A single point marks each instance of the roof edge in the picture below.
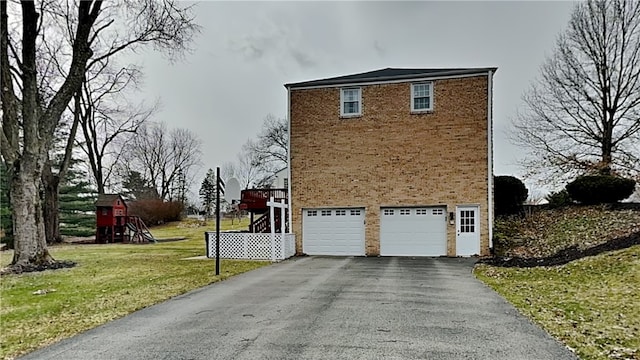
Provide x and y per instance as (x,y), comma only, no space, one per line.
(328,82)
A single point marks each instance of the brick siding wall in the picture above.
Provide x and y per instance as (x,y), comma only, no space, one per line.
(390,156)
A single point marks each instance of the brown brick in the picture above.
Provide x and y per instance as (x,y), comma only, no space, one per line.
(389,156)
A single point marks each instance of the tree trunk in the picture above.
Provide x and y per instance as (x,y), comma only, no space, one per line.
(100,184)
(30,243)
(51,185)
(607,148)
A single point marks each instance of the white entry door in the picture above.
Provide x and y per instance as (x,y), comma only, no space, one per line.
(333,232)
(413,231)
(467,231)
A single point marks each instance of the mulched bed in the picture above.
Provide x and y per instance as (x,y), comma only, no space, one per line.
(566,255)
(62,264)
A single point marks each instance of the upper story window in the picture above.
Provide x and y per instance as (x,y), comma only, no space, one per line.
(422,96)
(350,102)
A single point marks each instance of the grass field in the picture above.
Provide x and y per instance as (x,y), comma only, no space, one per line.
(109,282)
(590,304)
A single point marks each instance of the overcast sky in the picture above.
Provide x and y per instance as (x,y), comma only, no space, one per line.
(247,50)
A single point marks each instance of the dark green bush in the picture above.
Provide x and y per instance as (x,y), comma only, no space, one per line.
(509,194)
(600,189)
(559,199)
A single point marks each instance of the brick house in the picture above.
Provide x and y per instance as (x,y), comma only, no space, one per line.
(392,162)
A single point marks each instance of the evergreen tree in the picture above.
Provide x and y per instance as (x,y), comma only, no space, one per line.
(77,205)
(136,187)
(208,192)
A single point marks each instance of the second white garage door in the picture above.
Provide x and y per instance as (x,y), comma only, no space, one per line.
(413,231)
(333,231)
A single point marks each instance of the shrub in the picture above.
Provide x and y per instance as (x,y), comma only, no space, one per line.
(156,211)
(559,199)
(600,189)
(509,194)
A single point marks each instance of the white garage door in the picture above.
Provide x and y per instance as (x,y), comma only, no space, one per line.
(333,231)
(413,231)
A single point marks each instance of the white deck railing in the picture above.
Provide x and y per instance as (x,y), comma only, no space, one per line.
(252,246)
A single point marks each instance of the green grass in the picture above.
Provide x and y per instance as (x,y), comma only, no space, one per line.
(109,282)
(592,305)
(195,229)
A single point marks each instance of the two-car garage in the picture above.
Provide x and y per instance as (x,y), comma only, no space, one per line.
(408,231)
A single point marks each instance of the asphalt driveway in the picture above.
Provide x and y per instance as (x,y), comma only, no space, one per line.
(326,308)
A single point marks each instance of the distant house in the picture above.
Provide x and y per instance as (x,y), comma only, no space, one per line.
(392,162)
(281,179)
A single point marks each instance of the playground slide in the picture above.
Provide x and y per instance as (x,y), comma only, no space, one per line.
(149,237)
(144,234)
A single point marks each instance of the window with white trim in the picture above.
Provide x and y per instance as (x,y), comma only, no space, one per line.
(421,211)
(355,212)
(388,212)
(325,213)
(312,213)
(437,211)
(341,212)
(422,97)
(350,102)
(405,211)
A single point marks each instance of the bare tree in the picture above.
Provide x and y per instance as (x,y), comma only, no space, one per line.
(270,148)
(583,114)
(101,110)
(28,124)
(247,169)
(167,159)
(31,114)
(108,119)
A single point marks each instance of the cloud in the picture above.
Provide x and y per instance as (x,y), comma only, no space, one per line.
(302,59)
(274,44)
(379,49)
(252,47)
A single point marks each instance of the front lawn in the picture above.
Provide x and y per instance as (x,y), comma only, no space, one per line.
(109,282)
(590,304)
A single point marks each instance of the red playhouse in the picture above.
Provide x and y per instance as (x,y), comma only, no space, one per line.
(113,223)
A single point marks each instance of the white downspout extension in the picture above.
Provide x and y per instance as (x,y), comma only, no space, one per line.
(490,153)
(289,159)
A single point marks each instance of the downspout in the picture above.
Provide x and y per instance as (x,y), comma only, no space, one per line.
(289,158)
(490,154)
